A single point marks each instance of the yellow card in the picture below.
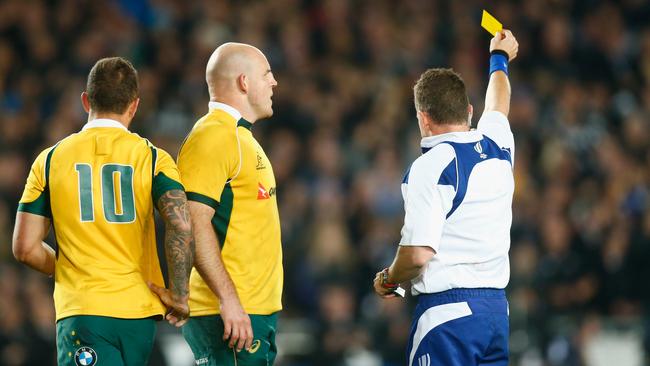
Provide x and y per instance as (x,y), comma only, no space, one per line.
(490,23)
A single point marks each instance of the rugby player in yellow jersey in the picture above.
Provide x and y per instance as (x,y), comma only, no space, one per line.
(236,283)
(97,189)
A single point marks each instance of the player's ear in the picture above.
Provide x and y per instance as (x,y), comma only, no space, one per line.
(242,83)
(133,107)
(424,122)
(85,102)
(470,112)
(425,119)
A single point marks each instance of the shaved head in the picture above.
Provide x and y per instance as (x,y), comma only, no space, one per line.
(229,61)
(239,74)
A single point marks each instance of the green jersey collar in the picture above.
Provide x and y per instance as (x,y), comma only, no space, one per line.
(244,123)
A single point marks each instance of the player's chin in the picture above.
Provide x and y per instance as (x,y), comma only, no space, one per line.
(268,112)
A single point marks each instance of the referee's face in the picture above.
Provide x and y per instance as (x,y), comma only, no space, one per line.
(261,89)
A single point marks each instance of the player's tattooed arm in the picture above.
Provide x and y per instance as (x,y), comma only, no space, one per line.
(179,240)
(179,252)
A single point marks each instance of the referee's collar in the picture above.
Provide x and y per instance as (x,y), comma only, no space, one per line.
(226,108)
(460,137)
(103,122)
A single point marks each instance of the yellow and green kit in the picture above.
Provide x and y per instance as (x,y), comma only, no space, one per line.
(98,187)
(224,167)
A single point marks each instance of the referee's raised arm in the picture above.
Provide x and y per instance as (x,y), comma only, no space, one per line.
(503,49)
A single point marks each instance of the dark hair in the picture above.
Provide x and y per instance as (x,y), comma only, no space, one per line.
(441,94)
(112,85)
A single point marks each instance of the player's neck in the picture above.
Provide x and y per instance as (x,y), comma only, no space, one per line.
(435,130)
(242,107)
(121,118)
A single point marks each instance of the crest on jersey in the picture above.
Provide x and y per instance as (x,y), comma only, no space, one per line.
(260,163)
(479,149)
(85,356)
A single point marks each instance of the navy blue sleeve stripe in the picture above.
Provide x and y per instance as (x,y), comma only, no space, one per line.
(406,175)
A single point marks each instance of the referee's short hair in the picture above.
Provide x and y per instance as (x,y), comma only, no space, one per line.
(112,85)
(442,95)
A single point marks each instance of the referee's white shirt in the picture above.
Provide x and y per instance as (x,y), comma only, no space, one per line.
(458,201)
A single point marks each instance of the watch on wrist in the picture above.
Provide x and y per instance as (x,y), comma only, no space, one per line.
(384,281)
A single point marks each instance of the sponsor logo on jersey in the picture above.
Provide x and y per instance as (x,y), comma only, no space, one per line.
(263,194)
(85,356)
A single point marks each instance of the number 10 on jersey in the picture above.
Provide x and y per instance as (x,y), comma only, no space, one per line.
(118,201)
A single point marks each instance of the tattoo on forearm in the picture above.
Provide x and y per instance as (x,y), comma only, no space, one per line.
(179,241)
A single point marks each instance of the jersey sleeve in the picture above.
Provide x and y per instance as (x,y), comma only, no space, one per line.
(166,176)
(495,125)
(426,203)
(207,160)
(35,198)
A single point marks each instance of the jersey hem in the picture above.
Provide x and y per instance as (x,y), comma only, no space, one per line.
(249,311)
(139,315)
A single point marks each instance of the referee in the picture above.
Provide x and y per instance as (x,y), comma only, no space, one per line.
(456,234)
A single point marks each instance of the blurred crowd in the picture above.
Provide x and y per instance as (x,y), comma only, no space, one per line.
(343,133)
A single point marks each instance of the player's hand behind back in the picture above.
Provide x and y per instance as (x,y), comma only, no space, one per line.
(505,41)
(178,309)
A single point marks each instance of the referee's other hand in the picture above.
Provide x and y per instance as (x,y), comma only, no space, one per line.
(505,41)
(381,290)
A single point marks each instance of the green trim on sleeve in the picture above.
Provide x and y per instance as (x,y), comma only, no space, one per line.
(221,219)
(163,184)
(198,197)
(154,160)
(47,166)
(40,206)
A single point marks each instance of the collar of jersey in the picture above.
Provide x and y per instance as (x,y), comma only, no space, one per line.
(226,108)
(460,137)
(103,122)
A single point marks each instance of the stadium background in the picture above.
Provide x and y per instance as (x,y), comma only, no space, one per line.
(342,135)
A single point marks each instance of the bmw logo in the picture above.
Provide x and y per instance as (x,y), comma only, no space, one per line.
(85,356)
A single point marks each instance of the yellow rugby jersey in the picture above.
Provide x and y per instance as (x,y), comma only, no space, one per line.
(98,187)
(223,166)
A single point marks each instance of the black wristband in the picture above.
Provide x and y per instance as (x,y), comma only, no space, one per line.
(500,52)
